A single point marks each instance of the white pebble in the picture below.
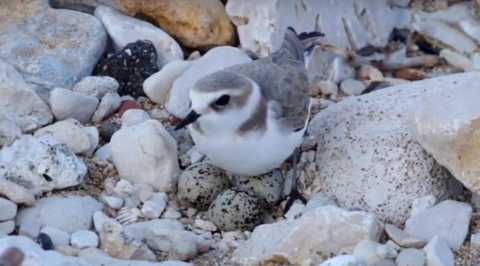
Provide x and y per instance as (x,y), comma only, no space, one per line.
(58,237)
(154,207)
(113,202)
(205,225)
(328,87)
(134,117)
(171,213)
(123,187)
(100,218)
(352,87)
(84,239)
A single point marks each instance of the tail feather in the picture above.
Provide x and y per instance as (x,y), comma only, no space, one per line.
(296,44)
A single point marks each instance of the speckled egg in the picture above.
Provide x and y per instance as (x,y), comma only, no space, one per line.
(268,187)
(235,210)
(199,185)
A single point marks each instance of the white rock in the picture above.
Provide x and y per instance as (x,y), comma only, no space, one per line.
(365,143)
(422,204)
(475,240)
(328,87)
(108,105)
(104,153)
(41,164)
(373,253)
(448,219)
(146,153)
(343,260)
(448,132)
(369,73)
(124,29)
(99,219)
(157,87)
(9,132)
(205,225)
(96,86)
(154,207)
(29,111)
(295,211)
(84,239)
(123,187)
(8,209)
(456,59)
(212,61)
(68,104)
(261,26)
(352,87)
(7,227)
(29,227)
(291,239)
(58,237)
(69,214)
(134,117)
(113,202)
(438,253)
(69,132)
(411,257)
(402,238)
(94,138)
(171,213)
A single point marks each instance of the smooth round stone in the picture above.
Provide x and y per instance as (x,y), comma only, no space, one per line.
(352,87)
(84,239)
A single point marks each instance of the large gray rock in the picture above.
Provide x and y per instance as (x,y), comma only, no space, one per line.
(325,230)
(367,156)
(346,24)
(40,164)
(448,219)
(28,112)
(57,45)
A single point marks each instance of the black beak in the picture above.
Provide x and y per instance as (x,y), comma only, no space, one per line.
(191,117)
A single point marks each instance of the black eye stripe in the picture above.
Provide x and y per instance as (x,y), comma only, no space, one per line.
(223,100)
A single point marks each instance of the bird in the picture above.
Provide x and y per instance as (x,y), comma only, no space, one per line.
(249,118)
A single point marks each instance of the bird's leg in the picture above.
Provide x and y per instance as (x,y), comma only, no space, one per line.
(294,193)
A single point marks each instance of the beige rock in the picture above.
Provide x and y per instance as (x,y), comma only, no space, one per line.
(195,23)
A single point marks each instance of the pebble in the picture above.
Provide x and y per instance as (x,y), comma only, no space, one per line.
(104,153)
(171,213)
(410,74)
(411,257)
(199,184)
(58,237)
(402,238)
(8,209)
(68,104)
(69,132)
(372,253)
(9,132)
(448,219)
(438,253)
(84,239)
(134,117)
(327,87)
(108,105)
(100,218)
(130,67)
(154,207)
(96,86)
(205,225)
(352,87)
(369,73)
(7,227)
(113,202)
(235,210)
(422,204)
(108,128)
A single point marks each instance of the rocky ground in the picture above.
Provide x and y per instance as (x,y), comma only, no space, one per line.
(92,172)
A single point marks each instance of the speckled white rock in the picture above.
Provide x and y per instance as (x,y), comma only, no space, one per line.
(146,153)
(377,126)
(352,87)
(108,105)
(7,227)
(68,104)
(199,184)
(212,61)
(8,209)
(58,237)
(157,87)
(134,117)
(154,207)
(70,213)
(448,132)
(124,30)
(84,239)
(373,253)
(96,86)
(439,253)
(292,239)
(343,260)
(41,164)
(448,219)
(69,132)
(9,132)
(261,26)
(411,257)
(29,111)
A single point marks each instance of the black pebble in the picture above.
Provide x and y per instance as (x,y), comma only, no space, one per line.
(45,241)
(130,67)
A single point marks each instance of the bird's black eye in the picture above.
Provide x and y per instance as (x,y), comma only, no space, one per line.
(223,100)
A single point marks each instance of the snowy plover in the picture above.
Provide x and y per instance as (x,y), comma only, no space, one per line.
(249,118)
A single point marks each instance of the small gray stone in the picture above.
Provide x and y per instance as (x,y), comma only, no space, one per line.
(402,238)
(84,239)
(268,187)
(8,209)
(373,253)
(234,210)
(108,105)
(439,253)
(352,87)
(58,237)
(199,184)
(68,104)
(448,219)
(7,227)
(96,86)
(411,257)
